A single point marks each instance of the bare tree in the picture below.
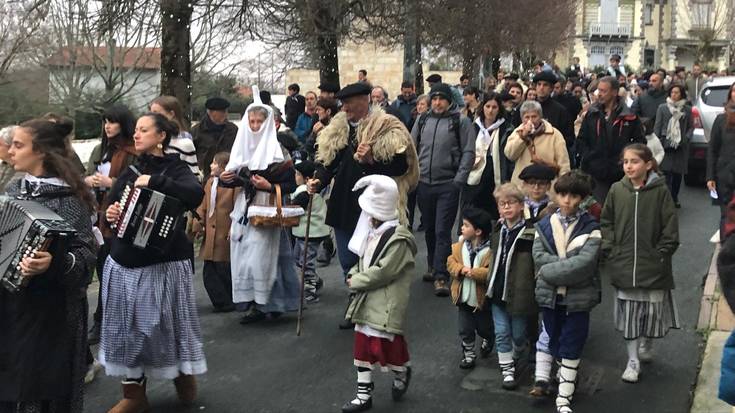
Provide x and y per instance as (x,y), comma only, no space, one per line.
(711,24)
(20,21)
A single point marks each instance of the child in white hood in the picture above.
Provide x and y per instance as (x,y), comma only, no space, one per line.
(381,281)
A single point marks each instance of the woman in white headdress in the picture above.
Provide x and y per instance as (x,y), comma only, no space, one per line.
(263,274)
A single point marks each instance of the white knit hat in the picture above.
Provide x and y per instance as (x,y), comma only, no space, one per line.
(380,199)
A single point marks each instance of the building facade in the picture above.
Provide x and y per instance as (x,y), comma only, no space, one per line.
(652,33)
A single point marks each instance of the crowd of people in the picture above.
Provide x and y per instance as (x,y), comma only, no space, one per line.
(560,181)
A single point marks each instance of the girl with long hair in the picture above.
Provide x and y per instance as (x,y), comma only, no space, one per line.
(108,160)
(44,336)
(150,322)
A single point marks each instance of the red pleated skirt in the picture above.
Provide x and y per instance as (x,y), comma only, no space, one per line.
(377,351)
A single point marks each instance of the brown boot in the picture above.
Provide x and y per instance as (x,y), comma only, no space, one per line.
(134,398)
(186,388)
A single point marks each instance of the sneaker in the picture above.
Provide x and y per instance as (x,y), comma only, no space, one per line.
(486,348)
(311,297)
(632,371)
(645,351)
(541,389)
(429,275)
(467,363)
(92,371)
(440,288)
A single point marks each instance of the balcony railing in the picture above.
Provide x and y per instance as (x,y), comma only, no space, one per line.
(610,29)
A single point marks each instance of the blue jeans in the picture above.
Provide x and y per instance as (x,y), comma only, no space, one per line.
(567,331)
(347,259)
(510,331)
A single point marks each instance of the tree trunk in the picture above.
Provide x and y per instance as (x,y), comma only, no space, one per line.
(412,68)
(175,51)
(326,45)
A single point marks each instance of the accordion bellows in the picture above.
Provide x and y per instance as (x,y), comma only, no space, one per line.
(27,227)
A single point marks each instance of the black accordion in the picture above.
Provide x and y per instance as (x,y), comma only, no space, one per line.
(25,228)
(148,219)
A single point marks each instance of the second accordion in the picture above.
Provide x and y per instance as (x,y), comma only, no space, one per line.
(27,227)
(148,219)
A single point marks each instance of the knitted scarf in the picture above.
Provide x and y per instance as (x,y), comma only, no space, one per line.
(673,130)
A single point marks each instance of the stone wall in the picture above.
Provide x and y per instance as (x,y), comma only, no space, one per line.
(384,67)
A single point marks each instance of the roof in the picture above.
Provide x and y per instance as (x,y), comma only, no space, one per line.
(125,57)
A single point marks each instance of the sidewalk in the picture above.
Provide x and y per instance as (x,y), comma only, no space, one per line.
(716,321)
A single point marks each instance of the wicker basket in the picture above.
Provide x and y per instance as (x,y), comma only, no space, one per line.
(275,216)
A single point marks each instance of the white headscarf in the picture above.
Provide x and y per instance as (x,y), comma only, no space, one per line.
(255,150)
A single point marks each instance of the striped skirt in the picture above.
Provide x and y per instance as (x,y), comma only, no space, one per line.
(644,318)
(150,323)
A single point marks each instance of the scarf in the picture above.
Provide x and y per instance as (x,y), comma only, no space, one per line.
(535,206)
(538,131)
(473,251)
(365,231)
(486,138)
(255,149)
(213,197)
(673,129)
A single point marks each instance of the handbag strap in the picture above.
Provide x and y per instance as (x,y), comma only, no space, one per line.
(279,202)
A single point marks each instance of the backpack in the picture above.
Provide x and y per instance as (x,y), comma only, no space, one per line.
(455,126)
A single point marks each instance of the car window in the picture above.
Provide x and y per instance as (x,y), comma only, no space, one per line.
(715,96)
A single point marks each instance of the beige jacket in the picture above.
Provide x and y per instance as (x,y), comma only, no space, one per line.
(549,147)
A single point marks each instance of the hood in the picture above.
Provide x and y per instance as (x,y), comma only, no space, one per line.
(622,109)
(402,233)
(654,180)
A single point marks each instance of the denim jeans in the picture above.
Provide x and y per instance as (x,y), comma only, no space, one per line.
(438,205)
(510,331)
(347,259)
(298,251)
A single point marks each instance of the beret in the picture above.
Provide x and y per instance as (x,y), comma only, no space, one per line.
(545,76)
(537,171)
(217,103)
(354,89)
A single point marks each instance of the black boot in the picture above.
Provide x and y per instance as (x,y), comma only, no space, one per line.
(400,385)
(363,401)
(253,316)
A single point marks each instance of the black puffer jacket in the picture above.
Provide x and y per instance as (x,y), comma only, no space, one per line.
(600,142)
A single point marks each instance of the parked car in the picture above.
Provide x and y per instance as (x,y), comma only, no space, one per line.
(709,104)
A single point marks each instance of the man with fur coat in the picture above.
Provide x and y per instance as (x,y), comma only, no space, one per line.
(358,142)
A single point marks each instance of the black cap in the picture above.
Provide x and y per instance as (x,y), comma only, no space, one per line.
(306,168)
(442,90)
(511,76)
(545,76)
(354,89)
(537,171)
(329,87)
(505,96)
(435,78)
(480,219)
(217,103)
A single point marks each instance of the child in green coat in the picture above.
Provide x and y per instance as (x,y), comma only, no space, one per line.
(640,233)
(381,281)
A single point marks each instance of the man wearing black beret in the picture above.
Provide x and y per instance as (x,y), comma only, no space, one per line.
(328,90)
(214,133)
(359,142)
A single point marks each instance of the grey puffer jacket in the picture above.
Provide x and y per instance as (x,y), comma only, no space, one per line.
(444,155)
(577,272)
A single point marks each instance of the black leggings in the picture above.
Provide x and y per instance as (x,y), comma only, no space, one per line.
(673,181)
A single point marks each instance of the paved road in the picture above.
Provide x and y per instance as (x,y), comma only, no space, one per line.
(266,368)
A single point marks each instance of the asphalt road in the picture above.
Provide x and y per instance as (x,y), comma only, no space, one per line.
(266,368)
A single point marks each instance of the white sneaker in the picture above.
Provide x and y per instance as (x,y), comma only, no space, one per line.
(630,375)
(92,371)
(645,350)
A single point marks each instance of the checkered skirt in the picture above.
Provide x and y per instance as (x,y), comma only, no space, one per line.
(150,322)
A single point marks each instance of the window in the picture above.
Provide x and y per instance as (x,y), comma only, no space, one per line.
(617,50)
(701,14)
(597,50)
(649,57)
(648,14)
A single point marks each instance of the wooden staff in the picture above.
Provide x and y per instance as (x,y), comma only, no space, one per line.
(303,264)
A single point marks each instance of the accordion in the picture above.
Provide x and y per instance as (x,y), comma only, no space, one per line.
(25,228)
(148,218)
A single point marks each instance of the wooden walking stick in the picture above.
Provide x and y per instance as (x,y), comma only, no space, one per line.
(303,265)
